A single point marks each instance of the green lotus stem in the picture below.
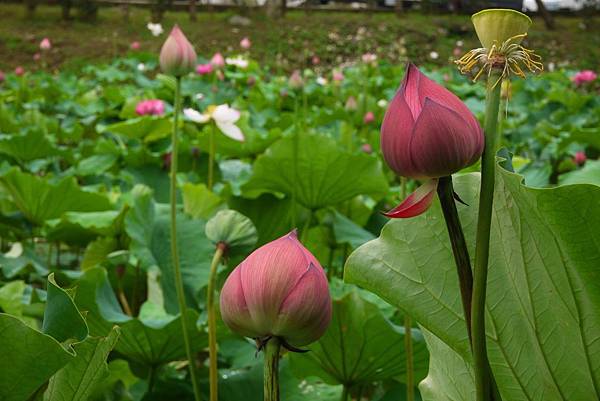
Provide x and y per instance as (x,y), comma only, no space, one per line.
(271,370)
(345,393)
(482,247)
(212,322)
(174,251)
(211,157)
(408,350)
(459,246)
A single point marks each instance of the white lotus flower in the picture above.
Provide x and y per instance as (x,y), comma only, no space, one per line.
(15,251)
(434,55)
(321,81)
(238,61)
(156,29)
(141,67)
(382,103)
(224,117)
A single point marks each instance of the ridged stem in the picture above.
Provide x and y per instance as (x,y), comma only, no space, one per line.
(211,157)
(174,250)
(408,350)
(271,370)
(212,323)
(482,246)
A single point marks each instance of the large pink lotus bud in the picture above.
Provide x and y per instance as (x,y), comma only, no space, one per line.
(177,56)
(279,290)
(217,60)
(45,44)
(427,133)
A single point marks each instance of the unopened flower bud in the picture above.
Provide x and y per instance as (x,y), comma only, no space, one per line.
(177,56)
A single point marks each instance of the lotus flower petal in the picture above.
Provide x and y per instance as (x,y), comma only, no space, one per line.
(416,203)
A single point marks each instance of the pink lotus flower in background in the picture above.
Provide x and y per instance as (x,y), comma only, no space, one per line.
(177,56)
(337,76)
(151,107)
(427,133)
(135,45)
(279,290)
(245,43)
(351,103)
(203,69)
(315,60)
(369,117)
(37,57)
(295,80)
(367,148)
(19,71)
(45,44)
(369,58)
(580,158)
(584,77)
(217,60)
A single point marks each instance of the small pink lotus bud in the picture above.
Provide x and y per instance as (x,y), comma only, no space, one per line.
(295,81)
(337,76)
(369,117)
(580,158)
(315,60)
(135,45)
(177,56)
(279,290)
(217,60)
(152,107)
(45,44)
(427,133)
(203,69)
(584,77)
(351,103)
(245,43)
(19,71)
(37,57)
(369,58)
(367,148)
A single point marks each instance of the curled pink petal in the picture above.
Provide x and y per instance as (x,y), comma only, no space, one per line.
(416,203)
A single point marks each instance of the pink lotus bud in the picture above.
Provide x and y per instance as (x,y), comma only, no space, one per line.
(19,71)
(295,81)
(337,76)
(584,77)
(369,117)
(245,43)
(279,290)
(203,69)
(367,148)
(177,56)
(315,60)
(45,44)
(427,133)
(135,45)
(369,58)
(217,60)
(37,57)
(351,103)
(152,107)
(457,51)
(580,158)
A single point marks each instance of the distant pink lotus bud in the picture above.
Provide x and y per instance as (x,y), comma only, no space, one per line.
(351,103)
(177,56)
(152,107)
(580,158)
(218,60)
(2,76)
(427,133)
(37,57)
(457,51)
(203,69)
(584,77)
(295,81)
(337,76)
(279,290)
(135,45)
(45,44)
(369,117)
(369,58)
(245,43)
(315,60)
(19,71)
(367,148)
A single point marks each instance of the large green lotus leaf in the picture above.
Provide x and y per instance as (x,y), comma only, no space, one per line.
(40,200)
(543,305)
(78,379)
(152,338)
(16,265)
(360,346)
(80,228)
(148,128)
(323,176)
(589,174)
(29,146)
(62,319)
(148,225)
(199,201)
(29,358)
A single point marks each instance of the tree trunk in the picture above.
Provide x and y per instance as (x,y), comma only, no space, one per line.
(30,6)
(66,9)
(125,11)
(283,7)
(272,8)
(399,7)
(192,10)
(548,19)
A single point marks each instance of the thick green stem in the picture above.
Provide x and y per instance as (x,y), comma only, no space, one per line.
(211,157)
(408,350)
(482,247)
(174,251)
(345,393)
(271,370)
(459,246)
(212,322)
